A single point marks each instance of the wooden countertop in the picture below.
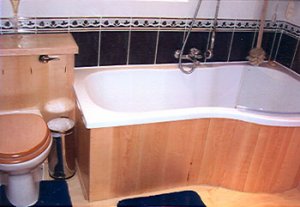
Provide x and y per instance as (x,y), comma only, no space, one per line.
(37,44)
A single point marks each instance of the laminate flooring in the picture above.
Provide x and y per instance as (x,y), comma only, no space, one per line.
(211,196)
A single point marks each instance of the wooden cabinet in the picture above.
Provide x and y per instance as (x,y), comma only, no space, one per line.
(27,83)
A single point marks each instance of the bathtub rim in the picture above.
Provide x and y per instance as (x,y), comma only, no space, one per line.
(90,115)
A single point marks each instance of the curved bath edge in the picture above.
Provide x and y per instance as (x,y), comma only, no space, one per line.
(132,95)
(106,118)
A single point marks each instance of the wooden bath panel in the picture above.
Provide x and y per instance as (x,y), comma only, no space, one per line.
(220,152)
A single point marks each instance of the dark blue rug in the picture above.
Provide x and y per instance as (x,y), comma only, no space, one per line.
(183,198)
(52,193)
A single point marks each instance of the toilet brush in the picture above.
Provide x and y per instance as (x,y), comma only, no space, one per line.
(257,55)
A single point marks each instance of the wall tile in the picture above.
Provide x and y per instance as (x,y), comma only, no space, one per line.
(197,40)
(221,48)
(114,47)
(241,45)
(88,43)
(127,40)
(286,50)
(142,47)
(276,44)
(270,43)
(296,63)
(168,43)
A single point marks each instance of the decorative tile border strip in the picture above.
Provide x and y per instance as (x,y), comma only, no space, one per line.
(289,28)
(78,24)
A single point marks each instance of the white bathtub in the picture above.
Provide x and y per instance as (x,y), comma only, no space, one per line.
(127,95)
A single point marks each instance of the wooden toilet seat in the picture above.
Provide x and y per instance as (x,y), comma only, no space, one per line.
(22,137)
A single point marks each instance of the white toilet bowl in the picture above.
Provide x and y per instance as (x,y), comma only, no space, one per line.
(25,143)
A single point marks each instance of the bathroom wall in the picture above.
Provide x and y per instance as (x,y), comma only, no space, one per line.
(290,11)
(148,32)
(239,9)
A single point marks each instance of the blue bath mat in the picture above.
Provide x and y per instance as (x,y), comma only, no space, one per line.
(52,193)
(183,198)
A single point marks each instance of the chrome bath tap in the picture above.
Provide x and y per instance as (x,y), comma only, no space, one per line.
(194,55)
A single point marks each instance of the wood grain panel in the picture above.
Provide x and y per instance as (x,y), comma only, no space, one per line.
(221,152)
(199,143)
(27,83)
(213,164)
(179,156)
(83,143)
(101,171)
(299,183)
(152,161)
(243,144)
(37,44)
(289,167)
(128,148)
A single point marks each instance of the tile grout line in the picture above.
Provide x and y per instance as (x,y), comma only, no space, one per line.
(1,25)
(231,42)
(278,46)
(99,42)
(255,35)
(185,31)
(208,43)
(273,45)
(129,42)
(69,24)
(35,26)
(157,43)
(295,52)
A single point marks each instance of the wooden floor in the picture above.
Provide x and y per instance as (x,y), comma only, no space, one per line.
(212,197)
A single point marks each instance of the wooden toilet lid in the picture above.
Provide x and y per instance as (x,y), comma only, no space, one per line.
(22,137)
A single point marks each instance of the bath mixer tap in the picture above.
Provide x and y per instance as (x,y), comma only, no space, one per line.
(194,55)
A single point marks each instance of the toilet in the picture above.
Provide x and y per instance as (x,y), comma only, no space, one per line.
(25,143)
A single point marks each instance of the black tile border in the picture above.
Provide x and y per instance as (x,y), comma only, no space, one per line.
(82,24)
(130,24)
